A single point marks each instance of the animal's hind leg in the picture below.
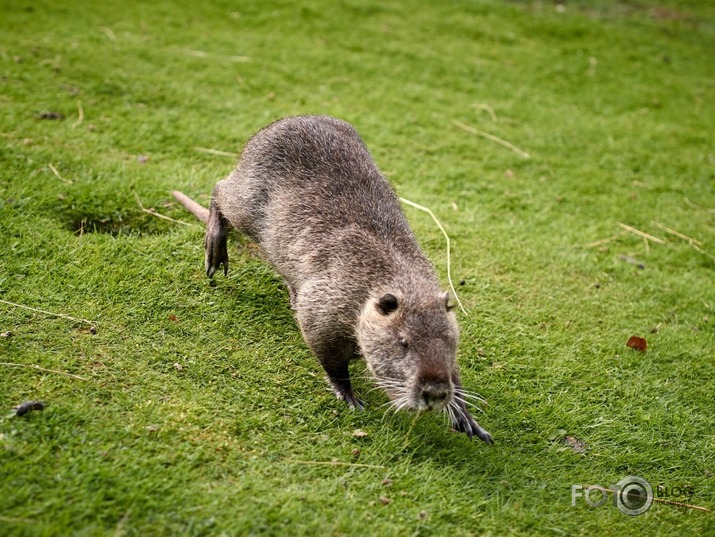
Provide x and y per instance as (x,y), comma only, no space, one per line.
(217,229)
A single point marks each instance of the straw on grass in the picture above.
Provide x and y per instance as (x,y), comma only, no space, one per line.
(43,369)
(492,138)
(449,264)
(158,215)
(215,152)
(62,315)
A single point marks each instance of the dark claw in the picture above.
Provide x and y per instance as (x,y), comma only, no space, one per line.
(215,242)
(465,423)
(216,252)
(349,397)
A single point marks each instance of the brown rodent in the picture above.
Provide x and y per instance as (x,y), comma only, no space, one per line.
(307,191)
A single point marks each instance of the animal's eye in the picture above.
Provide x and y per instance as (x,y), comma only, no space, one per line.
(387,304)
(403,342)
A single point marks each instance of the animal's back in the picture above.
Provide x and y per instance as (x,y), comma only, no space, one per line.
(310,185)
(313,172)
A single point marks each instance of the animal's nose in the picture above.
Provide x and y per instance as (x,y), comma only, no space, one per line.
(435,396)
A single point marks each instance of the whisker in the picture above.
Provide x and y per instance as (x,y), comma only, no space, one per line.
(473,395)
(450,413)
(470,404)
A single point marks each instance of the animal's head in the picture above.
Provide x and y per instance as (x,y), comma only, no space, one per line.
(409,341)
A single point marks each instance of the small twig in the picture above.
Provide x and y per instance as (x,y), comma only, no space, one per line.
(449,262)
(489,110)
(492,138)
(215,152)
(119,530)
(57,174)
(80,115)
(592,63)
(108,32)
(44,369)
(202,54)
(698,207)
(154,213)
(641,233)
(335,463)
(62,315)
(678,234)
(682,504)
(16,520)
(605,241)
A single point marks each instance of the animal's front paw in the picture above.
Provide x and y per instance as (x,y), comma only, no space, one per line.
(465,423)
(351,399)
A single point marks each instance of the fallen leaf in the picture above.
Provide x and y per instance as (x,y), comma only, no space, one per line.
(385,500)
(178,366)
(386,482)
(637,343)
(574,443)
(359,433)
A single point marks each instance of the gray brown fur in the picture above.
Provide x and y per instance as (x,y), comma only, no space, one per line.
(307,191)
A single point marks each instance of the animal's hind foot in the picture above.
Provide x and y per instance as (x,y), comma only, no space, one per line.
(215,243)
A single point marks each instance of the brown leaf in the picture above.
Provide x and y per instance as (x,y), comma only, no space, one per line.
(385,500)
(579,446)
(637,343)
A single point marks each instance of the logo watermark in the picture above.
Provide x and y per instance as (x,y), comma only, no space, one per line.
(633,495)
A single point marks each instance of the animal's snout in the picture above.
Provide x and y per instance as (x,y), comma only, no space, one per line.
(435,392)
(435,397)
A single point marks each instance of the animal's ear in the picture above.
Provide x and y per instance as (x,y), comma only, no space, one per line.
(448,302)
(387,304)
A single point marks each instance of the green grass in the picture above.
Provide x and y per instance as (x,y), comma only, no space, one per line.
(614,105)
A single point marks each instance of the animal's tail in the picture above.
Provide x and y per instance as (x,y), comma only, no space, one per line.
(199,211)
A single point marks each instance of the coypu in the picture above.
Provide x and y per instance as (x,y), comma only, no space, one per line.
(308,192)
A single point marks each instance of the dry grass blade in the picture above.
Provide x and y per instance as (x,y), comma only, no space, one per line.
(154,213)
(336,463)
(641,234)
(57,174)
(62,315)
(224,57)
(491,138)
(488,109)
(449,262)
(43,369)
(678,234)
(80,115)
(215,152)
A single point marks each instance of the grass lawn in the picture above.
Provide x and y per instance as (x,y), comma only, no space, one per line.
(546,138)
